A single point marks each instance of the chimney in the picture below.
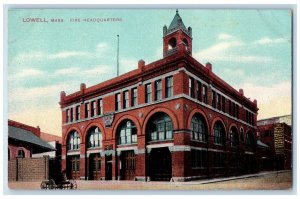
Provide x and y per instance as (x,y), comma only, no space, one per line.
(38,131)
(141,64)
(241,91)
(255,101)
(209,67)
(62,95)
(82,87)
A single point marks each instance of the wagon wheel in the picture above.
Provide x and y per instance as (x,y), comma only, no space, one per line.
(73,184)
(43,185)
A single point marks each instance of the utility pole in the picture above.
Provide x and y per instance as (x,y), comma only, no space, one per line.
(118,57)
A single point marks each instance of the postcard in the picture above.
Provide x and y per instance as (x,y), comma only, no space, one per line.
(149,99)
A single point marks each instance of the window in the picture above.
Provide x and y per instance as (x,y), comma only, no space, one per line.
(160,127)
(94,137)
(234,137)
(134,101)
(73,141)
(148,93)
(71,114)
(233,109)
(191,87)
(242,139)
(93,113)
(219,101)
(218,159)
(87,110)
(118,101)
(199,158)
(158,90)
(21,153)
(223,104)
(127,132)
(198,127)
(100,107)
(204,93)
(214,99)
(125,99)
(77,112)
(169,87)
(68,115)
(250,141)
(229,103)
(237,111)
(198,91)
(219,133)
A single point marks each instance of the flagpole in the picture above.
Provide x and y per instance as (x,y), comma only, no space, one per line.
(118,57)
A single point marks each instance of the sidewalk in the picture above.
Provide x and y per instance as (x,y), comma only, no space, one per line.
(272,180)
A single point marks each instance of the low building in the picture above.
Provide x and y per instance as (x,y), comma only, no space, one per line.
(24,145)
(276,132)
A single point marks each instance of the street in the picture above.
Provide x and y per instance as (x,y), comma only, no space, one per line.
(281,180)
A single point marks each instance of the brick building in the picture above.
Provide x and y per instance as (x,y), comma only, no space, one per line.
(172,119)
(276,132)
(24,142)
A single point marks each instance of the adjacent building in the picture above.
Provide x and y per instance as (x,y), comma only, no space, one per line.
(276,132)
(24,145)
(172,119)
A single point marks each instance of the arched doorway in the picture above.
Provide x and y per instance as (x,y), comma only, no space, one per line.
(94,141)
(160,164)
(73,161)
(160,129)
(127,135)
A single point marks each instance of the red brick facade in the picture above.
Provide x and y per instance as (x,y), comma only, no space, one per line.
(163,150)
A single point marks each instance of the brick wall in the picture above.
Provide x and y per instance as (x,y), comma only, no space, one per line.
(28,169)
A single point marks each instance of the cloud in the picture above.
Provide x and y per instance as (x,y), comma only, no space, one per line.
(224,36)
(67,54)
(267,40)
(26,73)
(230,51)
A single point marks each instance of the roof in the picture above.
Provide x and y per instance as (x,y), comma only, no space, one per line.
(28,137)
(261,144)
(176,23)
(49,137)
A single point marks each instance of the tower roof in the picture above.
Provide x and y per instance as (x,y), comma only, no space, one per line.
(177,24)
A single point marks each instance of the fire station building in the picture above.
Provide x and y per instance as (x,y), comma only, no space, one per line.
(172,119)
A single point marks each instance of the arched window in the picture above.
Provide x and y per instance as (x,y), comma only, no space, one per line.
(172,43)
(219,133)
(199,129)
(160,127)
(21,153)
(186,43)
(234,137)
(127,132)
(73,141)
(94,138)
(242,138)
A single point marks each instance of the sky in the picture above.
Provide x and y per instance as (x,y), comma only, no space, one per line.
(249,49)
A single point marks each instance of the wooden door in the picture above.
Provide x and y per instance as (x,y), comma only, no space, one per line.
(128,165)
(160,164)
(95,167)
(74,167)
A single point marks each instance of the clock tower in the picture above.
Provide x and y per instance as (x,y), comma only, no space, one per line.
(177,34)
